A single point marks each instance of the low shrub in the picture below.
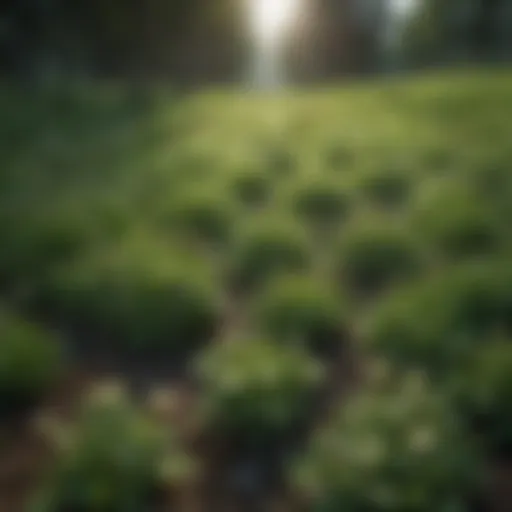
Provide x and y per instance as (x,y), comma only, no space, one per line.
(458,223)
(492,178)
(31,360)
(146,298)
(438,160)
(31,244)
(386,187)
(338,157)
(112,457)
(435,324)
(301,309)
(267,249)
(483,394)
(279,160)
(321,202)
(251,187)
(392,446)
(374,256)
(205,216)
(256,388)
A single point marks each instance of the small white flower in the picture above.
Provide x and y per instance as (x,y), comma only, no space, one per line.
(423,439)
(54,430)
(107,393)
(371,451)
(231,382)
(163,400)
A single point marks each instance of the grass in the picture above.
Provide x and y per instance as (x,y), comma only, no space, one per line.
(157,221)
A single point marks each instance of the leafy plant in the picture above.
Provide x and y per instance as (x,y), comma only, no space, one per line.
(436,324)
(207,216)
(256,387)
(251,187)
(146,298)
(269,248)
(279,160)
(438,159)
(492,178)
(338,156)
(302,309)
(394,446)
(322,202)
(31,360)
(459,223)
(112,457)
(386,187)
(374,256)
(34,243)
(483,393)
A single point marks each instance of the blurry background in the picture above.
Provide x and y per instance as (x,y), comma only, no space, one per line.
(286,302)
(198,41)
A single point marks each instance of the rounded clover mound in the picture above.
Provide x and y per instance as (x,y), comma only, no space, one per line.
(394,445)
(251,187)
(271,247)
(147,299)
(279,160)
(321,202)
(302,309)
(458,223)
(203,215)
(492,178)
(256,388)
(34,243)
(436,323)
(30,362)
(114,456)
(483,394)
(373,256)
(386,187)
(338,156)
(438,159)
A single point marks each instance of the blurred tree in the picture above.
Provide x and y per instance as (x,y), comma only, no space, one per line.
(118,37)
(199,40)
(193,40)
(339,37)
(460,30)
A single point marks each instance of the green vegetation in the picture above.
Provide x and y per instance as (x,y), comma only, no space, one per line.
(303,310)
(393,446)
(375,255)
(279,161)
(256,387)
(255,235)
(459,223)
(31,360)
(482,391)
(437,323)
(338,157)
(35,242)
(251,187)
(114,456)
(388,187)
(321,202)
(205,216)
(269,248)
(148,301)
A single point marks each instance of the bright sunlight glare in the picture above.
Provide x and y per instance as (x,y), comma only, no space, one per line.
(403,7)
(271,18)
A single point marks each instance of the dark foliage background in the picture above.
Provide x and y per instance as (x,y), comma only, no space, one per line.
(197,41)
